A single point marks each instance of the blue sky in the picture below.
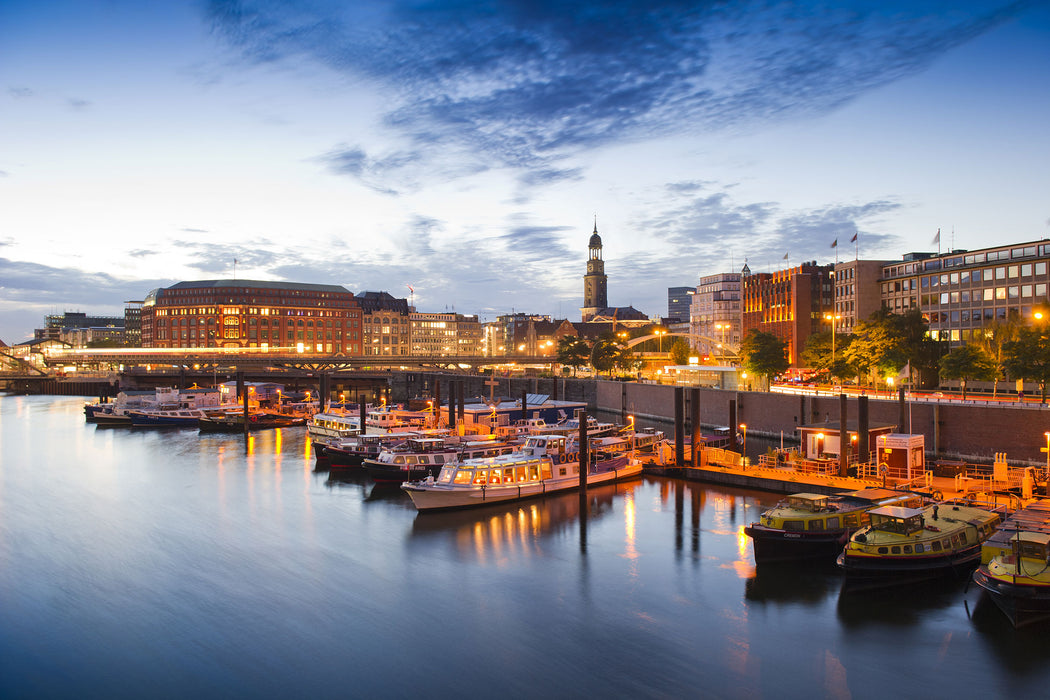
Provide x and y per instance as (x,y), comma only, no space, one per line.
(464,148)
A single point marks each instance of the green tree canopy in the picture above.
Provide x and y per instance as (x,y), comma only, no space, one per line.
(680,352)
(763,354)
(971,361)
(573,352)
(819,354)
(1028,356)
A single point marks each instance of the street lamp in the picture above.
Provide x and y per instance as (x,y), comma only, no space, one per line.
(832,318)
(660,338)
(743,430)
(1047,454)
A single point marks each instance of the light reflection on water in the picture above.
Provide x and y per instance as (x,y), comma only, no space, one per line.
(167,563)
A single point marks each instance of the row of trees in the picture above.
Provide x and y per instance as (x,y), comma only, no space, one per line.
(607,354)
(887,344)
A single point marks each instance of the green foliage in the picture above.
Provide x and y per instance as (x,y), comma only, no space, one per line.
(573,352)
(820,354)
(994,339)
(1028,356)
(971,361)
(604,354)
(680,352)
(886,342)
(763,354)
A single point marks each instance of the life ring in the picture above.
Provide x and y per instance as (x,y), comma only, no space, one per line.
(574,457)
(561,458)
(937,496)
(254,419)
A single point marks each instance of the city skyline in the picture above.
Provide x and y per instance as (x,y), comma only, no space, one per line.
(466,149)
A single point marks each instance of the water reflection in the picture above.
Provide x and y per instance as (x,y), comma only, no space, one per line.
(806,583)
(499,530)
(898,605)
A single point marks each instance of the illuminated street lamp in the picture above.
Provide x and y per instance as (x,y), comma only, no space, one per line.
(659,333)
(833,318)
(743,430)
(1047,454)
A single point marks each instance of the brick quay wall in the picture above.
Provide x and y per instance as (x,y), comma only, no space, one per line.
(973,431)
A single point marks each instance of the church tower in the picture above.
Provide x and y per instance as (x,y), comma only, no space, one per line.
(595,283)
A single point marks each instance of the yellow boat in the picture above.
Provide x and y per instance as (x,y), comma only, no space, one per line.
(817,526)
(902,545)
(1019,582)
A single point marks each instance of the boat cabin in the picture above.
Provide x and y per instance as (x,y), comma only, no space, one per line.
(490,472)
(814,502)
(1033,545)
(896,519)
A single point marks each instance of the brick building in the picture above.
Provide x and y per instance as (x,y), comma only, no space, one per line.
(309,318)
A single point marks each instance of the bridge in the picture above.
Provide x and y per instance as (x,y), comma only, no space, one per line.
(713,345)
(209,359)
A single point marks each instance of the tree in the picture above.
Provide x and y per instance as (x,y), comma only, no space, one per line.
(625,359)
(603,355)
(1028,356)
(886,342)
(820,355)
(763,354)
(680,352)
(971,361)
(994,340)
(573,352)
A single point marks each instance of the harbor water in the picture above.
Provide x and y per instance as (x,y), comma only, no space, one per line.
(168,564)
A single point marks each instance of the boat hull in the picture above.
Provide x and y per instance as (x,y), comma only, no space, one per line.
(778,546)
(435,497)
(1022,601)
(879,571)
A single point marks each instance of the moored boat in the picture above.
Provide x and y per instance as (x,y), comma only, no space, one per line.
(815,526)
(1019,582)
(543,465)
(902,545)
(416,458)
(328,427)
(352,452)
(233,422)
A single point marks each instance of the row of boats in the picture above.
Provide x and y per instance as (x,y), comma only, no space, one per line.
(440,470)
(883,537)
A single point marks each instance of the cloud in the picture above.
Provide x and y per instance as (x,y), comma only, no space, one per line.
(20,92)
(78,105)
(526,83)
(45,286)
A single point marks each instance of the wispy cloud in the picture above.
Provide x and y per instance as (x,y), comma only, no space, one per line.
(527,83)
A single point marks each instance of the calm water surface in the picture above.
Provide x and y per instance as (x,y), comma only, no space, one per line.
(137,563)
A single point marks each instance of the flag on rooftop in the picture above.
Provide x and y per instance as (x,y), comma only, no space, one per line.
(854,239)
(785,256)
(937,238)
(835,243)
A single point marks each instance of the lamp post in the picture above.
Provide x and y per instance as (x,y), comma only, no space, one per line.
(660,338)
(1047,454)
(832,318)
(743,430)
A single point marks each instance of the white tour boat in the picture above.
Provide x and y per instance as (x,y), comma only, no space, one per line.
(543,465)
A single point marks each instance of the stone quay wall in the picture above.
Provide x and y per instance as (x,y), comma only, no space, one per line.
(967,431)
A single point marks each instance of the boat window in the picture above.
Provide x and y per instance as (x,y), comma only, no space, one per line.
(947,543)
(481,476)
(423,459)
(936,546)
(463,476)
(412,459)
(895,549)
(494,477)
(545,470)
(907,549)
(833,523)
(439,459)
(534,474)
(816,524)
(793,525)
(919,549)
(508,475)
(883,550)
(521,473)
(399,460)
